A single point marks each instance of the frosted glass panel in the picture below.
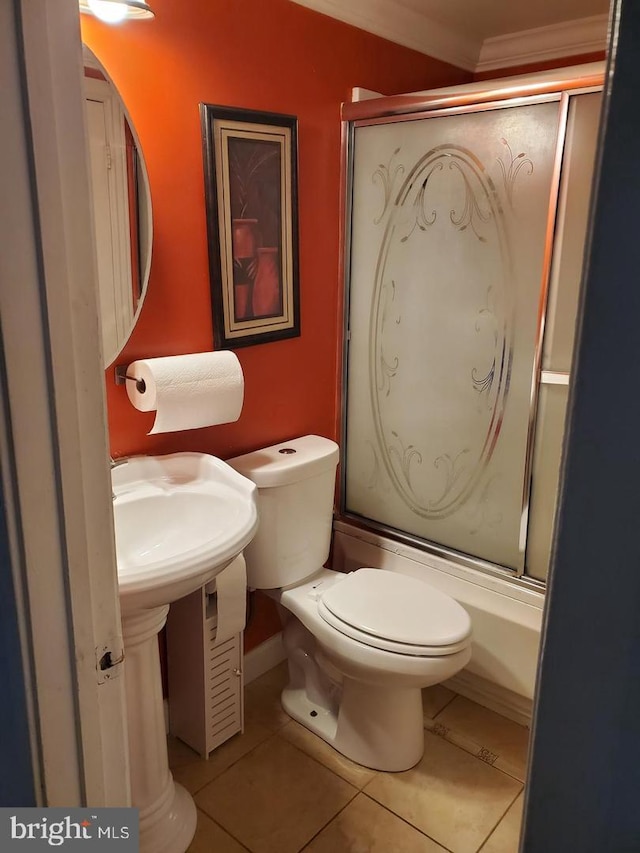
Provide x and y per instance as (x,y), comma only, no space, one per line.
(571,228)
(447,259)
(552,410)
(566,274)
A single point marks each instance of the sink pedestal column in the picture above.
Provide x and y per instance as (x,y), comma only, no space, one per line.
(167,812)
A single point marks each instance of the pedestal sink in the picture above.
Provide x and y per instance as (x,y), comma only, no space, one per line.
(179,521)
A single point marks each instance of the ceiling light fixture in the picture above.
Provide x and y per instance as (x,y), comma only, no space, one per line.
(115,11)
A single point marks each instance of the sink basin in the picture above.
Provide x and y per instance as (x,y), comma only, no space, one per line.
(179,521)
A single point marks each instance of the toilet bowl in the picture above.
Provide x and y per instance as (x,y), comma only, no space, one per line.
(360,646)
(357,692)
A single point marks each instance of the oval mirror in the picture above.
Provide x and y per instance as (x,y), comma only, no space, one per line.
(121,208)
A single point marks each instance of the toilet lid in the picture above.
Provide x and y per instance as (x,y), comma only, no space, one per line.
(396,612)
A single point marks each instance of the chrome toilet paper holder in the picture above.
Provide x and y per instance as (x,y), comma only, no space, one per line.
(121,377)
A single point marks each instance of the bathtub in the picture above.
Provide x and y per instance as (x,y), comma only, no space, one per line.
(506,617)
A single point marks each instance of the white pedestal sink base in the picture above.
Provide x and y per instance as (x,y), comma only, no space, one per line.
(167,812)
(168,827)
(179,520)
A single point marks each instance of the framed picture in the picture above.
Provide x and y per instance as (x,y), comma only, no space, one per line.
(252,223)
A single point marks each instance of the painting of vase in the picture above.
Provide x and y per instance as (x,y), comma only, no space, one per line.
(254,182)
(267,293)
(252,167)
(244,247)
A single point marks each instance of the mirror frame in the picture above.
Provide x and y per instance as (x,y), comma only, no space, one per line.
(90,60)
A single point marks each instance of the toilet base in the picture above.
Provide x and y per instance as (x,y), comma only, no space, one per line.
(377,727)
(364,702)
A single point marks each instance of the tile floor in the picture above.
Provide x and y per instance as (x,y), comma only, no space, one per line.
(277,788)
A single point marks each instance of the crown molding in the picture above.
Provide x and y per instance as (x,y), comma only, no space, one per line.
(395,22)
(570,38)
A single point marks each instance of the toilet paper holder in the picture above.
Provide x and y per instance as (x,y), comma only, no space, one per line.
(121,377)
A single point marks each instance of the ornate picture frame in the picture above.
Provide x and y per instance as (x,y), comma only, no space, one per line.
(250,167)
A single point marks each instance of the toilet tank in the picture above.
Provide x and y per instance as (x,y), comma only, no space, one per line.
(296,482)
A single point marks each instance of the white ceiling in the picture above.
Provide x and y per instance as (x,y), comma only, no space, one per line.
(480,34)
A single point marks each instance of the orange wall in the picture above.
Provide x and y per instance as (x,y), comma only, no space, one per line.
(258,54)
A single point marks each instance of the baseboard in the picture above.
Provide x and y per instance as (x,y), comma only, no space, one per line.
(493,696)
(263,658)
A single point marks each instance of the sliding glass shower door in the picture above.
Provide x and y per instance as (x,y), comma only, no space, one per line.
(452,219)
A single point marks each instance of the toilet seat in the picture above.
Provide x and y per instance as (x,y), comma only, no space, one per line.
(396,613)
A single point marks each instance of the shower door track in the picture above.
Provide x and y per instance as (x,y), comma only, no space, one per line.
(457,558)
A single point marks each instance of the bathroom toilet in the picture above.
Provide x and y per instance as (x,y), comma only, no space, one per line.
(360,646)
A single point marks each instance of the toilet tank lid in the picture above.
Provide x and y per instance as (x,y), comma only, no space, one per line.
(288,462)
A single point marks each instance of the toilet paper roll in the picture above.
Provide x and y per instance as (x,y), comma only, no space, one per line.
(187,391)
(230,587)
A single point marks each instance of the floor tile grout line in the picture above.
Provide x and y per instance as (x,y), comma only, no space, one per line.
(317,760)
(331,819)
(446,704)
(504,814)
(486,763)
(408,822)
(356,790)
(355,794)
(527,728)
(278,732)
(364,791)
(219,825)
(233,763)
(506,773)
(474,753)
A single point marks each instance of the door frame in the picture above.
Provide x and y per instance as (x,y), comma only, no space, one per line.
(584,769)
(53,440)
